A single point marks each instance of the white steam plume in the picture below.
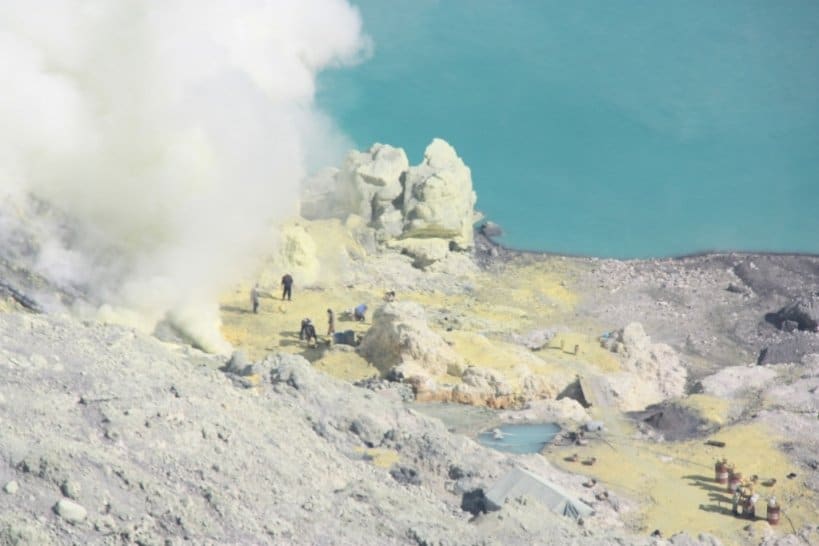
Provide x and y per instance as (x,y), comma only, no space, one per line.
(175,131)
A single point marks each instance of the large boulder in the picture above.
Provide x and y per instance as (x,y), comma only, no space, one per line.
(400,335)
(651,372)
(438,197)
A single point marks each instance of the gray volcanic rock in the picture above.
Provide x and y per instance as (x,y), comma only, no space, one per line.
(792,348)
(802,314)
(684,539)
(20,531)
(780,275)
(157,446)
(238,364)
(807,535)
(491,229)
(70,511)
(800,393)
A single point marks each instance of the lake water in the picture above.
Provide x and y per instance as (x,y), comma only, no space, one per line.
(623,129)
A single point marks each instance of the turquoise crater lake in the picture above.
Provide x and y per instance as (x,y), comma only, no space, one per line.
(620,129)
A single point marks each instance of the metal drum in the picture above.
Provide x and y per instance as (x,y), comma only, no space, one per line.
(721,472)
(773,514)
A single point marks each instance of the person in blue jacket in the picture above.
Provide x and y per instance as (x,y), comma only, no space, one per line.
(359,312)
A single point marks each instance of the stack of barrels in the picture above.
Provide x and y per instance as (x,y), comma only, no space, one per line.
(725,474)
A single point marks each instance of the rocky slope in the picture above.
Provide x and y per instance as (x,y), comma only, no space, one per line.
(112,437)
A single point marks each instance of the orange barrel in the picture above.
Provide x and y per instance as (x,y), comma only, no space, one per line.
(773,514)
(734,480)
(721,472)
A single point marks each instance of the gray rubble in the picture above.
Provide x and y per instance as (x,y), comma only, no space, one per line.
(154,444)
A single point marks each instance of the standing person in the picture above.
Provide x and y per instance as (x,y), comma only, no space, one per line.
(254,297)
(331,322)
(287,286)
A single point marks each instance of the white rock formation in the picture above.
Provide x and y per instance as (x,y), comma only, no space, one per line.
(652,372)
(438,197)
(369,182)
(400,335)
(424,211)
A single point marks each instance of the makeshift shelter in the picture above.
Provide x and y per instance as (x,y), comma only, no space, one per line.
(522,483)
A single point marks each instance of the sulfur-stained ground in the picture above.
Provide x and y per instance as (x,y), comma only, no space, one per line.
(671,482)
(674,485)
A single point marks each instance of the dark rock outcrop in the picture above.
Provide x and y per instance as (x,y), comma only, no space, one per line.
(405,474)
(802,314)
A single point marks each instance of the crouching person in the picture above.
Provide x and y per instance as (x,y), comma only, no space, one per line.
(308,332)
(360,312)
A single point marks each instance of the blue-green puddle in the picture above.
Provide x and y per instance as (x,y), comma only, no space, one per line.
(519,438)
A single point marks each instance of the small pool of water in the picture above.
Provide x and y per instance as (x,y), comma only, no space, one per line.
(519,438)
